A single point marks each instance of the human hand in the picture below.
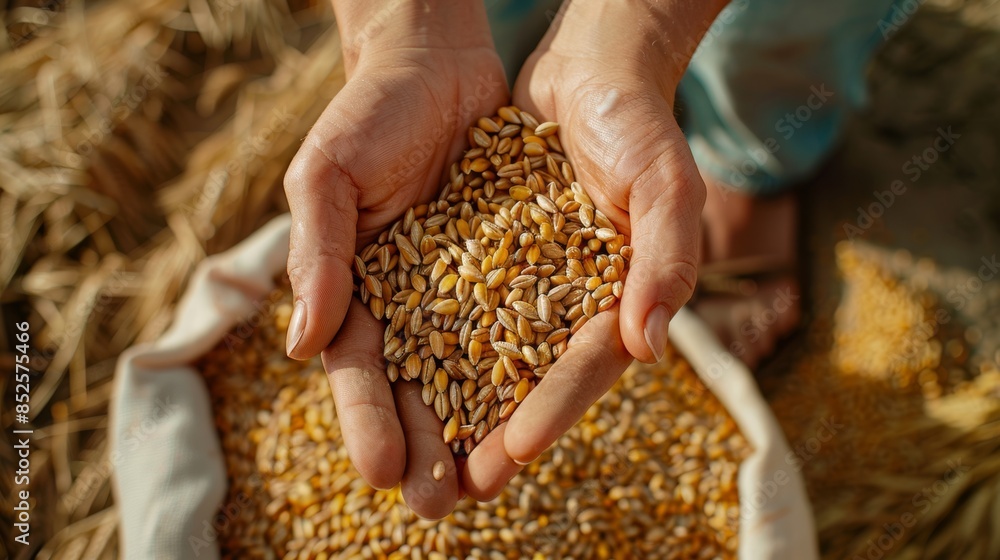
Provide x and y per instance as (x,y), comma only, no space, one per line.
(613,96)
(416,81)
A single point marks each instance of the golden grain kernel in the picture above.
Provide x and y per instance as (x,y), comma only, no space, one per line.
(450,429)
(513,250)
(438,470)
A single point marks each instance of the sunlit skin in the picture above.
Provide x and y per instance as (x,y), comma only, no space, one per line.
(606,74)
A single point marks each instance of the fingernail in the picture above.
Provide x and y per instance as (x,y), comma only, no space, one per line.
(296,326)
(520,463)
(656,330)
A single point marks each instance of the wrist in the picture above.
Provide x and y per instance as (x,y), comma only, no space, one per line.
(370,27)
(644,37)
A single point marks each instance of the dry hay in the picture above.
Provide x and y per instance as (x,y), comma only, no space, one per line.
(135,138)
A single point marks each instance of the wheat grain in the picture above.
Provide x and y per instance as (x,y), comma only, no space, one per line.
(512,250)
(649,471)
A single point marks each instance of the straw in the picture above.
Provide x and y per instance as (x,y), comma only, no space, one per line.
(113,118)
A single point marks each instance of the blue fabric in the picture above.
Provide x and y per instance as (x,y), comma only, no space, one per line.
(517,27)
(769,88)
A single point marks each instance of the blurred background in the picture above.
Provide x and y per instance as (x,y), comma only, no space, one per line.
(138,137)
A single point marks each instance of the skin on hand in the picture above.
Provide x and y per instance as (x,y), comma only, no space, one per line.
(382,146)
(610,84)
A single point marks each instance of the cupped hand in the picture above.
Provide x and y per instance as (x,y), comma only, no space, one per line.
(381,146)
(615,109)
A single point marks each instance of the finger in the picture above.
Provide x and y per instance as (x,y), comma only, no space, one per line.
(489,468)
(665,204)
(426,496)
(593,362)
(323,201)
(361,392)
(528,96)
(654,178)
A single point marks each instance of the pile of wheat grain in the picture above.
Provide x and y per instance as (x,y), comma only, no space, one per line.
(649,472)
(897,439)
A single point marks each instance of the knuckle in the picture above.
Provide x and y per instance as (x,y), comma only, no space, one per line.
(304,258)
(296,270)
(318,165)
(676,280)
(670,174)
(310,163)
(291,182)
(374,412)
(683,274)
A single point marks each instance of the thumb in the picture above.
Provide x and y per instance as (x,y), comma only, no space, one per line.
(323,201)
(665,205)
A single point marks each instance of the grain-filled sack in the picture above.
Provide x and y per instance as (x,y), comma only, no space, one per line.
(650,471)
(171,483)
